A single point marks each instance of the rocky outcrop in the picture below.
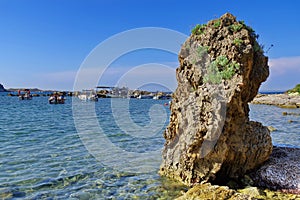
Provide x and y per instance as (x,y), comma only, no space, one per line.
(209,136)
(281,171)
(207,191)
(2,89)
(280,100)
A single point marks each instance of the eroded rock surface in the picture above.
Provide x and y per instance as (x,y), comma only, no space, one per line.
(281,171)
(209,135)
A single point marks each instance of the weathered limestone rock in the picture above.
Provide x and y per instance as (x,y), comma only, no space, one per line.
(207,191)
(209,135)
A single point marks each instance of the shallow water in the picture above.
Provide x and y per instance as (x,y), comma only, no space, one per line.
(287,127)
(43,157)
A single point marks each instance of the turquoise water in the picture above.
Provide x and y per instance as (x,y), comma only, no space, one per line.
(43,157)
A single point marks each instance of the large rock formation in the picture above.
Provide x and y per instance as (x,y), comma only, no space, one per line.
(210,136)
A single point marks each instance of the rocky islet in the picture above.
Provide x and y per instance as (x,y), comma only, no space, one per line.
(210,137)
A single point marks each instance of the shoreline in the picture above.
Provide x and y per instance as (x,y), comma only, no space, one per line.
(280,100)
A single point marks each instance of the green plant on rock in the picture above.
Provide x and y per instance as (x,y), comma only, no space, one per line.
(295,89)
(217,23)
(252,32)
(220,69)
(238,42)
(236,27)
(258,47)
(242,22)
(230,70)
(221,61)
(198,29)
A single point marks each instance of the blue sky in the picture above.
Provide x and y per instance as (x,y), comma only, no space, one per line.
(44,42)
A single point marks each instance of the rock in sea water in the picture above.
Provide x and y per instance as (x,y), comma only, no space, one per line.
(210,136)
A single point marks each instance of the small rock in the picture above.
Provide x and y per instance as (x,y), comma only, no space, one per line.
(292,113)
(288,106)
(251,191)
(271,128)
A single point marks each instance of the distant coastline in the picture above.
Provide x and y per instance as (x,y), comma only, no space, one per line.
(272,92)
(2,89)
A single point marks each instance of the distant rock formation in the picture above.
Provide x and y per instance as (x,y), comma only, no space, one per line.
(281,100)
(209,136)
(2,89)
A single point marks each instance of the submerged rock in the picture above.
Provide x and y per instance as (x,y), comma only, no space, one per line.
(209,136)
(214,192)
(208,191)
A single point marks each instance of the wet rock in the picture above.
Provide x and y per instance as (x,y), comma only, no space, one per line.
(6,193)
(214,192)
(208,191)
(209,136)
(290,113)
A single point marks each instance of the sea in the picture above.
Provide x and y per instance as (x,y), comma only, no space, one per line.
(51,152)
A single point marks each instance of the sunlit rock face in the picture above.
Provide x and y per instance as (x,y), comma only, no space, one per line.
(209,135)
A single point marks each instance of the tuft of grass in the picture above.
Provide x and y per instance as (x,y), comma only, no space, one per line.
(198,29)
(238,42)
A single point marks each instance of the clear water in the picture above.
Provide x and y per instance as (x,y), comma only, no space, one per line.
(287,127)
(43,157)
